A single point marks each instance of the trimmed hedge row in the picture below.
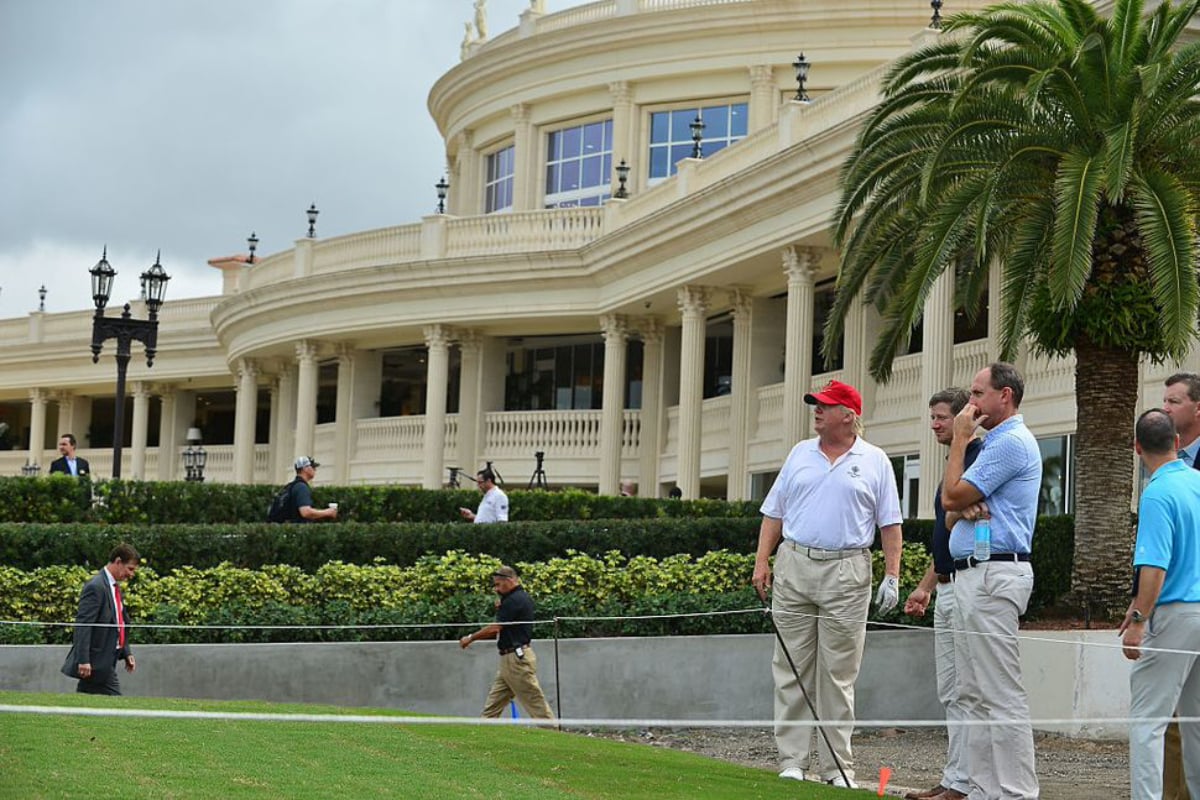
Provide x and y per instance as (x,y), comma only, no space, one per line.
(59,498)
(310,547)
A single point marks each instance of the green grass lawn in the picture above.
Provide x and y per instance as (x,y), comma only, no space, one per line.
(74,756)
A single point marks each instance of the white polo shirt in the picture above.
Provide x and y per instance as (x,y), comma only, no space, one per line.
(838,505)
(493,507)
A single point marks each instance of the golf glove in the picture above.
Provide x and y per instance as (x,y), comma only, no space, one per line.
(889,593)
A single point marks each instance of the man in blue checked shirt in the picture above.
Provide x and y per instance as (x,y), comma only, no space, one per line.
(991,595)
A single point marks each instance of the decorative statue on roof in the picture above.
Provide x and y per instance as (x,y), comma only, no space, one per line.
(481,32)
(464,50)
(537,6)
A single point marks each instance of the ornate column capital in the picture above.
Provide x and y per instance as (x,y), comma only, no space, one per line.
(141,389)
(650,329)
(38,395)
(621,92)
(306,351)
(437,336)
(800,263)
(692,300)
(741,302)
(520,112)
(61,396)
(470,340)
(247,368)
(762,76)
(614,326)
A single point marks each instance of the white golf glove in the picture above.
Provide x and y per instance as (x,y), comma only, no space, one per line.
(889,594)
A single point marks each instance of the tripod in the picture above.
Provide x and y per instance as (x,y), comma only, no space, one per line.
(496,472)
(453,482)
(538,479)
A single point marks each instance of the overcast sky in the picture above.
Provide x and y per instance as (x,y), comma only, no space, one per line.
(186,124)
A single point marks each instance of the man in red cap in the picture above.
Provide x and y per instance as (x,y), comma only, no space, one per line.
(821,513)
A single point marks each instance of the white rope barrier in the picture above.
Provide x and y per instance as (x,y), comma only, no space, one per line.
(574,722)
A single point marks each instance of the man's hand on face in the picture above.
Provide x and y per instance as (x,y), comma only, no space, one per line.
(967,421)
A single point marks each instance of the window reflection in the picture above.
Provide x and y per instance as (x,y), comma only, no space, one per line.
(671,134)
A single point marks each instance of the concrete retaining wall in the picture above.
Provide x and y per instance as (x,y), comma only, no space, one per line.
(693,677)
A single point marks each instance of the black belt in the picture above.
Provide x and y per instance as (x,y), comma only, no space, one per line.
(967,563)
(506,650)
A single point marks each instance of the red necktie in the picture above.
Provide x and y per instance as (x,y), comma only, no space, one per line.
(120,617)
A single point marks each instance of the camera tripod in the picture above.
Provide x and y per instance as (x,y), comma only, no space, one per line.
(538,479)
(453,482)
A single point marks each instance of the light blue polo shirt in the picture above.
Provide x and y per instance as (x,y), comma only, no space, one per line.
(1008,473)
(1168,534)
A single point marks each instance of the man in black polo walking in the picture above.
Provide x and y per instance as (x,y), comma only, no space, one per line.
(513,629)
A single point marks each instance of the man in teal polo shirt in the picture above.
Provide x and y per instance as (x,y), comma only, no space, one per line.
(1164,617)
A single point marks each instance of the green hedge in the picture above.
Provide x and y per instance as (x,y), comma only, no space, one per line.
(62,499)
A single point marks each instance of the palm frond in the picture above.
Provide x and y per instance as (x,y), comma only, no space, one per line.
(1077,201)
(1166,215)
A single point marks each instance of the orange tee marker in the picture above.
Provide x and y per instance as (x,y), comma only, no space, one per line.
(885,774)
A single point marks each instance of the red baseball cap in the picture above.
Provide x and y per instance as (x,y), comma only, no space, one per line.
(836,393)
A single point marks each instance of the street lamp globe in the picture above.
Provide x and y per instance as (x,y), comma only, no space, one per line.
(102,280)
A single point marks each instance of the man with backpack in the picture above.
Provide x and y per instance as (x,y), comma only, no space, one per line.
(294,503)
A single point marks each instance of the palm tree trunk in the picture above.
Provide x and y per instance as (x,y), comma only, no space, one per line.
(1106,397)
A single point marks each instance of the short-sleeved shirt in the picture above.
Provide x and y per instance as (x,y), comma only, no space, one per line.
(493,507)
(301,496)
(1168,534)
(943,562)
(838,505)
(1008,473)
(516,606)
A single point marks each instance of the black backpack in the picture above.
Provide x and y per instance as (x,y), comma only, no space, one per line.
(281,507)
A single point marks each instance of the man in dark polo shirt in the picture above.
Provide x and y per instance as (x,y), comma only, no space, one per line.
(512,630)
(943,407)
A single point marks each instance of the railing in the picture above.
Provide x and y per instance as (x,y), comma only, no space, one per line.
(14,331)
(769,422)
(969,358)
(325,446)
(558,433)
(523,231)
(580,15)
(368,249)
(898,397)
(819,381)
(272,269)
(1049,376)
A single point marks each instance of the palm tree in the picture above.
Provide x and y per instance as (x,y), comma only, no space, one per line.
(1059,146)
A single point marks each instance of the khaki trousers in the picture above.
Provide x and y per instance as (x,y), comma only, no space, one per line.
(517,677)
(989,599)
(954,776)
(820,608)
(1174,781)
(1161,684)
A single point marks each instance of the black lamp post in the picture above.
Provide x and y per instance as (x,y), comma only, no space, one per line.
(697,126)
(125,330)
(442,187)
(42,298)
(31,470)
(935,21)
(312,220)
(194,457)
(252,243)
(622,176)
(801,66)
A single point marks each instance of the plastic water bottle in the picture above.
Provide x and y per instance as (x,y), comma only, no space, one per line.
(983,539)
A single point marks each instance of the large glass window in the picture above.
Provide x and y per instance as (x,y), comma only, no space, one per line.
(403,382)
(498,186)
(822,304)
(967,329)
(718,357)
(671,134)
(579,165)
(566,372)
(1057,479)
(907,470)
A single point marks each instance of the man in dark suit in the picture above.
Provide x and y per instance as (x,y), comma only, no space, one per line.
(101,626)
(68,464)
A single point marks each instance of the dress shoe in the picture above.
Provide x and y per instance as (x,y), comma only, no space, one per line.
(928,794)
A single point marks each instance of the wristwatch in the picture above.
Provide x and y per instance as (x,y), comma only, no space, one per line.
(1137,617)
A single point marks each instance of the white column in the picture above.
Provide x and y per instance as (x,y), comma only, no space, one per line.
(738,482)
(343,427)
(245,416)
(141,426)
(525,159)
(612,426)
(623,148)
(166,431)
(38,398)
(306,398)
(66,412)
(799,264)
(437,339)
(466,190)
(470,399)
(937,373)
(283,444)
(764,97)
(861,333)
(693,305)
(649,438)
